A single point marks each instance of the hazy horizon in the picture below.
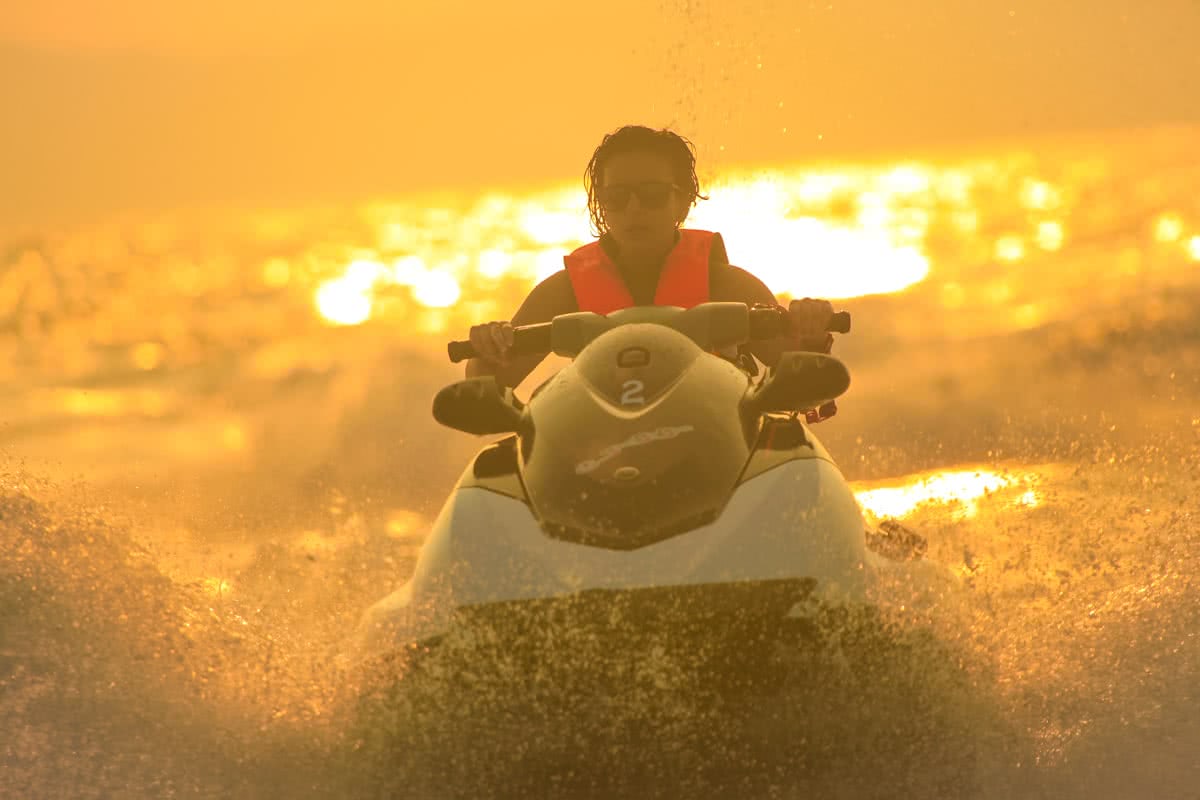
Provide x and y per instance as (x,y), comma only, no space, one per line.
(138,107)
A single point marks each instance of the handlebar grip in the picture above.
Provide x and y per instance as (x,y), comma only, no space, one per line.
(527,340)
(460,351)
(769,322)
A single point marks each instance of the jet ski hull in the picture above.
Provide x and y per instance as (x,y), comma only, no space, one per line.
(797,522)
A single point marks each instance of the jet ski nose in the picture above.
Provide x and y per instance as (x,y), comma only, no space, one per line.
(632,367)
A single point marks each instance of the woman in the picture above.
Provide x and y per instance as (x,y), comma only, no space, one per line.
(641,184)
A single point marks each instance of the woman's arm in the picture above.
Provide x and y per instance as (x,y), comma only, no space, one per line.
(732,283)
(551,297)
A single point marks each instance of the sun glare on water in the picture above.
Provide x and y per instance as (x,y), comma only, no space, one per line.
(343,302)
(959,491)
(984,234)
(788,228)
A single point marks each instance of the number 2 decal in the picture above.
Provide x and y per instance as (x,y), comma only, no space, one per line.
(632,396)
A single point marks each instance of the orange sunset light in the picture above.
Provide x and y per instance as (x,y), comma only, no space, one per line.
(823,234)
(960,491)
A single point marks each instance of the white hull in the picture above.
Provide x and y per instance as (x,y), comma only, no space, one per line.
(797,520)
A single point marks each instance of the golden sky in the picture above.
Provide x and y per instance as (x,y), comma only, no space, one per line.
(133,104)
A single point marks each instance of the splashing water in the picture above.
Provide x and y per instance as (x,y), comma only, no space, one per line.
(259,467)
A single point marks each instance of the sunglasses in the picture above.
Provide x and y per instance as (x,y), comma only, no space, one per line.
(650,194)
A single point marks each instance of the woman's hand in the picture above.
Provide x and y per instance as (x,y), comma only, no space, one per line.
(810,323)
(492,341)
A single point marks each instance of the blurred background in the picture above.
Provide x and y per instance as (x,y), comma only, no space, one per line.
(234,238)
(134,105)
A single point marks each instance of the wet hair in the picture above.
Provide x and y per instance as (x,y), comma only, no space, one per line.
(677,150)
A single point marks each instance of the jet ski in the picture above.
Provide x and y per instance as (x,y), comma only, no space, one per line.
(653,486)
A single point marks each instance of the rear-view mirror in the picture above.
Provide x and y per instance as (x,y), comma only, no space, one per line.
(479,406)
(800,381)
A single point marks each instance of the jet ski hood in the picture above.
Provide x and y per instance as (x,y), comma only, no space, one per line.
(611,459)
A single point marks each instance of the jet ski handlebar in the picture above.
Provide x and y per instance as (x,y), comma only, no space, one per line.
(771,322)
(765,322)
(527,340)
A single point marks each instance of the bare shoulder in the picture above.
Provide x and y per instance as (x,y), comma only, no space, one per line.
(553,296)
(736,284)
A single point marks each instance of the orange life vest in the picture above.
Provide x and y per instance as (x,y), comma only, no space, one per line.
(683,282)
